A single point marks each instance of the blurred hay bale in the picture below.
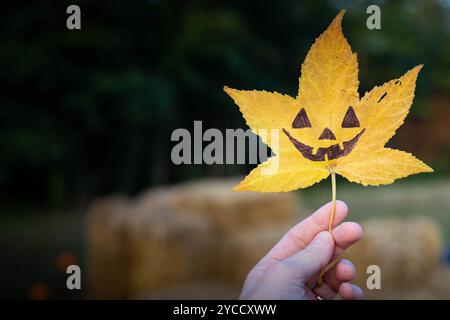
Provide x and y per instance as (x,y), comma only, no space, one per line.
(167,249)
(239,253)
(406,250)
(107,248)
(229,218)
(437,287)
(135,252)
(170,236)
(229,211)
(439,283)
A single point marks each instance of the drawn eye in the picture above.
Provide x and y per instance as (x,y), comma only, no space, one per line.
(350,120)
(301,120)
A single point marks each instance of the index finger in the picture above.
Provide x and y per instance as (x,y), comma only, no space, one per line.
(299,236)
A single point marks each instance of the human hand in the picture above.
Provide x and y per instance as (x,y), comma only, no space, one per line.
(291,268)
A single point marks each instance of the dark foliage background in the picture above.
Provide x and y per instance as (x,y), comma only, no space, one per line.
(90,112)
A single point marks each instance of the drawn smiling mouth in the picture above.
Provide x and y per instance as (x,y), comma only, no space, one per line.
(333,151)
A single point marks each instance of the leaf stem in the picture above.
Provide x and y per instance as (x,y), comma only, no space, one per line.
(333,201)
(330,227)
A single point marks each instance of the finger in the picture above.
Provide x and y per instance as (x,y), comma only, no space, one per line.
(343,271)
(344,236)
(313,258)
(301,234)
(325,292)
(349,291)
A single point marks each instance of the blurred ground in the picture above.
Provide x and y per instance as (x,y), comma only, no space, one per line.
(35,246)
(32,247)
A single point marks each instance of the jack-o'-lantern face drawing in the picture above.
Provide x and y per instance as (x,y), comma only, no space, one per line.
(328,128)
(334,150)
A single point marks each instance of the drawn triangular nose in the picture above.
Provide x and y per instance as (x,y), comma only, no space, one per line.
(327,134)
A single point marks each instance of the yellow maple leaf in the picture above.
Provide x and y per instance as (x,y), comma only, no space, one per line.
(327,128)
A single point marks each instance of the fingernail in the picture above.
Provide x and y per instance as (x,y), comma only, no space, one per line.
(358,292)
(347,262)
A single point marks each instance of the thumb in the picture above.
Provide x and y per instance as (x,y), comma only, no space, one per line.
(315,256)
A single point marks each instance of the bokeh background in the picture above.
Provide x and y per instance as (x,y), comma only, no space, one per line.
(85,123)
